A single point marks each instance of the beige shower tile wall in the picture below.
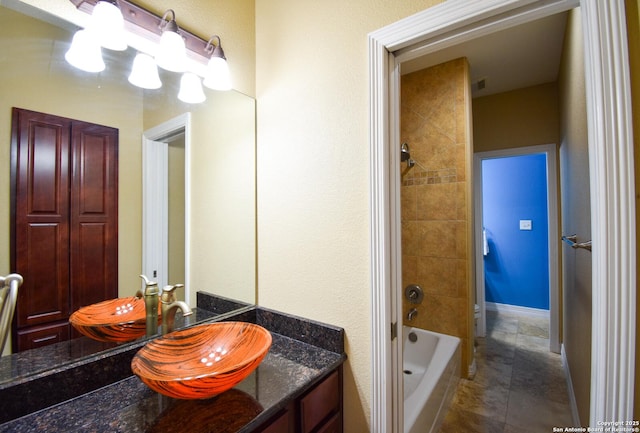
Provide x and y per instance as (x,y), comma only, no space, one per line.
(435,199)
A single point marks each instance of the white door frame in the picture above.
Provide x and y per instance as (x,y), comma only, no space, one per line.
(611,176)
(553,238)
(160,133)
(155,203)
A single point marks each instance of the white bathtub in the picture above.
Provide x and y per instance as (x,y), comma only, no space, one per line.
(431,374)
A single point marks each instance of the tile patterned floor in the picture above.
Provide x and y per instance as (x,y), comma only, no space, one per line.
(519,387)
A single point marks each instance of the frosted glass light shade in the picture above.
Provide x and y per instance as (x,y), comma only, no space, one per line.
(107,24)
(171,54)
(191,89)
(85,52)
(144,72)
(218,77)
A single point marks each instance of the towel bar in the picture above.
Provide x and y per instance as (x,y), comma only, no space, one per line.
(572,241)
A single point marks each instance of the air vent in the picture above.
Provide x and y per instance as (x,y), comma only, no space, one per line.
(482,83)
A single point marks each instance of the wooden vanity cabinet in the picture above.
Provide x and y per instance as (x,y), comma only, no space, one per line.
(319,410)
(284,422)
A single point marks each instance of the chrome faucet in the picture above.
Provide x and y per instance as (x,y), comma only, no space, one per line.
(151,295)
(412,313)
(170,305)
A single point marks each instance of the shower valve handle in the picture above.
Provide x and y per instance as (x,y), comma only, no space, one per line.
(414,293)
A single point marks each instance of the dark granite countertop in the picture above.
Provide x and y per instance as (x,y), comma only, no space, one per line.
(40,378)
(56,358)
(302,353)
(23,366)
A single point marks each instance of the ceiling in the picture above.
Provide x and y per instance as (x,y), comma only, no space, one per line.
(522,56)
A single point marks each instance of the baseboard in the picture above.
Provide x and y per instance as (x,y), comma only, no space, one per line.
(516,309)
(572,397)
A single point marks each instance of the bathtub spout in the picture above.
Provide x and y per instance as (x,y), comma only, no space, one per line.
(412,313)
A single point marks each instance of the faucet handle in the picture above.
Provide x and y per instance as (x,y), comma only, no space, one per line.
(168,293)
(170,289)
(150,287)
(414,293)
(147,281)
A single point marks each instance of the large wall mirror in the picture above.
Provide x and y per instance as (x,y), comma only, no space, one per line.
(219,226)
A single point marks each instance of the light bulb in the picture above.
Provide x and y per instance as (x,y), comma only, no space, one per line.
(171,53)
(144,72)
(107,24)
(191,89)
(218,77)
(85,52)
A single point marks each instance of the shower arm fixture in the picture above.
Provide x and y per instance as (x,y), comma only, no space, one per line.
(405,155)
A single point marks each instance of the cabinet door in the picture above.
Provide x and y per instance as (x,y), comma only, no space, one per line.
(283,423)
(333,425)
(321,405)
(40,224)
(94,214)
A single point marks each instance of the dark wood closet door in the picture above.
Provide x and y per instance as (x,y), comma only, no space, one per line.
(64,222)
(94,210)
(41,222)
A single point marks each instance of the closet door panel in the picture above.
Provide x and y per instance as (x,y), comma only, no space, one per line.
(46,163)
(46,297)
(91,277)
(40,230)
(94,214)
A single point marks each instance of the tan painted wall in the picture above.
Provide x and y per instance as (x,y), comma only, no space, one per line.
(523,117)
(437,235)
(576,214)
(223,189)
(313,169)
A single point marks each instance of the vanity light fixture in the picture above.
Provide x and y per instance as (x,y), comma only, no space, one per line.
(144,72)
(159,42)
(85,52)
(217,76)
(172,54)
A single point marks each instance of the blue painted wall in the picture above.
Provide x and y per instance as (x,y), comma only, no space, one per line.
(517,264)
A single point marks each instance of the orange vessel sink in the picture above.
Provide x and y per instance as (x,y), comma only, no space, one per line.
(201,361)
(115,320)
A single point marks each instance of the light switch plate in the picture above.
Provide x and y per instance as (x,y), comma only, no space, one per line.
(525,224)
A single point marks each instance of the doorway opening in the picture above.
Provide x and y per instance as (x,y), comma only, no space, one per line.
(166,195)
(535,227)
(612,184)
